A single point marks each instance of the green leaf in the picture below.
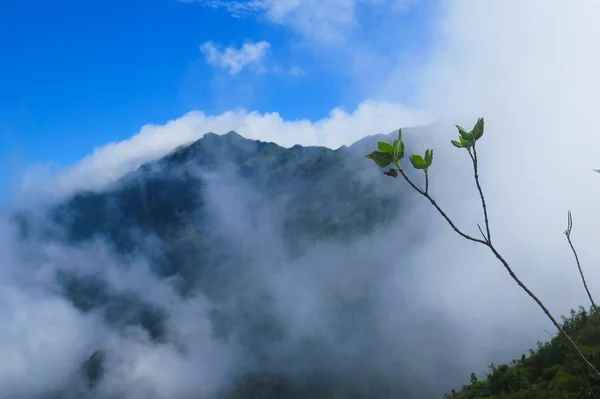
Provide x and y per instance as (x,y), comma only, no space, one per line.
(429,157)
(477,131)
(457,144)
(398,148)
(465,143)
(418,162)
(463,133)
(597,170)
(382,159)
(385,147)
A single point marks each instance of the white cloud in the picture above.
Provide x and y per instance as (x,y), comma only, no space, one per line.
(41,338)
(108,163)
(529,68)
(234,60)
(314,18)
(44,339)
(235,8)
(324,20)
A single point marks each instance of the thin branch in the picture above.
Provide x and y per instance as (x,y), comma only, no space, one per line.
(482,233)
(484,206)
(568,235)
(489,244)
(426,195)
(543,307)
(514,276)
(426,182)
(584,372)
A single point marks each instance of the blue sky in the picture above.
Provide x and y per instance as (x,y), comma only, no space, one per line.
(77,75)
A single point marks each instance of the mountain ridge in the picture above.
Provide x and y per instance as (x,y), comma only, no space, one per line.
(210,215)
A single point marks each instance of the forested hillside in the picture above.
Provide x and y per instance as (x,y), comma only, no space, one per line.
(552,370)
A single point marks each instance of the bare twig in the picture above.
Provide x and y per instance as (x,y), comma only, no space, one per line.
(482,233)
(568,235)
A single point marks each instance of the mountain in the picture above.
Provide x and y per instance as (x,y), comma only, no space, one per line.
(211,215)
(160,196)
(284,255)
(317,193)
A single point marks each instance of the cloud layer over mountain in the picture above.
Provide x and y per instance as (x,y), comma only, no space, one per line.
(529,68)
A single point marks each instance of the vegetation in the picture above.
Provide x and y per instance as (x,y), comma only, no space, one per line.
(562,368)
(552,371)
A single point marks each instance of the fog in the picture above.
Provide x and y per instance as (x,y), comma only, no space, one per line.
(529,69)
(345,307)
(437,310)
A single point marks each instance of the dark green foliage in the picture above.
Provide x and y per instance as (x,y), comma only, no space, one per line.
(552,370)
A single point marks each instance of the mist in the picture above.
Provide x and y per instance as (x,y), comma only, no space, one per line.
(427,306)
(342,308)
(529,69)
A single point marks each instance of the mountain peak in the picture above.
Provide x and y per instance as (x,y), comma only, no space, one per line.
(229,136)
(232,134)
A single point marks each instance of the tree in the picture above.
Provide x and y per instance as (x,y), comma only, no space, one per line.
(393,153)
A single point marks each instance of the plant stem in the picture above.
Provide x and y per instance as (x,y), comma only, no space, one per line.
(487,242)
(568,234)
(485,214)
(440,210)
(543,307)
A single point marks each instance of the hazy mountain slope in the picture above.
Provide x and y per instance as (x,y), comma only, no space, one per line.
(160,196)
(211,217)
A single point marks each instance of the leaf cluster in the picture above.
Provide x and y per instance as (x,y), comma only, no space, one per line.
(468,139)
(393,153)
(389,153)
